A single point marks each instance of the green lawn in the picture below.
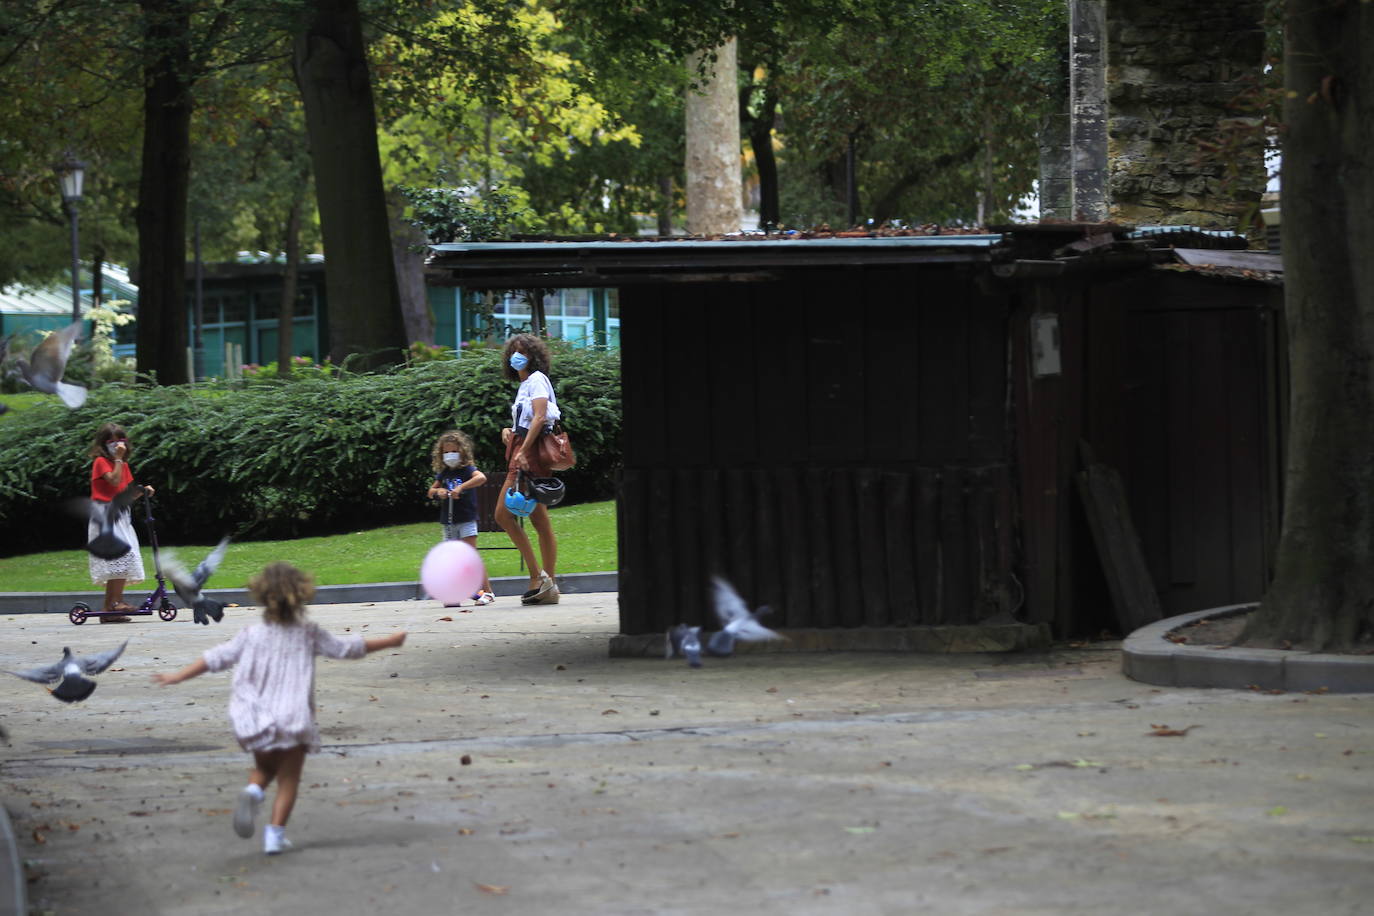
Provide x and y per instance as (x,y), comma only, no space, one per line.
(586,543)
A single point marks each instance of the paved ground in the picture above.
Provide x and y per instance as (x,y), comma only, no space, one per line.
(838,783)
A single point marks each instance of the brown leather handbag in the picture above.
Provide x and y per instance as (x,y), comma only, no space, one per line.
(555,448)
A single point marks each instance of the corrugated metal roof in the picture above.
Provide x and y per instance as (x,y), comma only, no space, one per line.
(19,299)
(772,243)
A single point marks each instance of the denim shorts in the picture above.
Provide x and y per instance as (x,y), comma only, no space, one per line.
(459,530)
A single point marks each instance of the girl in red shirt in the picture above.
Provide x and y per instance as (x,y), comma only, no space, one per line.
(110,474)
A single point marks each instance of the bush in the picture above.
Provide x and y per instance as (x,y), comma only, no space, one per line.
(314,456)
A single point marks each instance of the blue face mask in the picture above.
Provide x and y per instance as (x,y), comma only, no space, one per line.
(519,360)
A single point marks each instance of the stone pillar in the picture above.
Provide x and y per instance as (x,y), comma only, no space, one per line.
(1088,108)
(715,188)
(1180,152)
(1056,169)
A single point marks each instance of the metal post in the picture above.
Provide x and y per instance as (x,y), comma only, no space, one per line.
(198,342)
(76,262)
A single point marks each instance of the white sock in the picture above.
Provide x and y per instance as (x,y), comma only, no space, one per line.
(254,790)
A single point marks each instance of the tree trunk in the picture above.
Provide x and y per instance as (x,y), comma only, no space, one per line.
(761,141)
(416,316)
(665,206)
(714,184)
(162,192)
(341,123)
(286,315)
(1322,596)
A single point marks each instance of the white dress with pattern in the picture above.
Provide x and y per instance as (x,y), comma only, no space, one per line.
(272,705)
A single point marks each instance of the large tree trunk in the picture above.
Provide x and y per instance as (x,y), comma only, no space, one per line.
(290,275)
(1322,596)
(760,132)
(341,122)
(713,169)
(162,192)
(416,315)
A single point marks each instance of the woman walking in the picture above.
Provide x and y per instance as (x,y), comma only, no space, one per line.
(526,359)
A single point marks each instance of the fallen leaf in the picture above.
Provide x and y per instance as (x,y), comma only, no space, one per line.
(117,669)
(465,831)
(771,690)
(1068,815)
(1024,766)
(1164,731)
(560,667)
(1361,839)
(496,890)
(449,619)
(39,838)
(610,712)
(1277,811)
(858,830)
(465,759)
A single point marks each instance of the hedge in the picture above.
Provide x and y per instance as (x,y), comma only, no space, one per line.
(285,459)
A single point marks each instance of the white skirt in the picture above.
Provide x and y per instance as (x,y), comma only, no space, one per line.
(130,565)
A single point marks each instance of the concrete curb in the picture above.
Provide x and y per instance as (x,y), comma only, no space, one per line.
(1001,637)
(61,602)
(13,892)
(1149,657)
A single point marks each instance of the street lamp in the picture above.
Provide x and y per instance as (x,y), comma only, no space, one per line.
(71,172)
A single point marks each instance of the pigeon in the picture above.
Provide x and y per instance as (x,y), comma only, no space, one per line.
(74,686)
(683,640)
(188,584)
(737,622)
(106,544)
(49,362)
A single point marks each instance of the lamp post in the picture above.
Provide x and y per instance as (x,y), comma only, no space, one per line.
(71,172)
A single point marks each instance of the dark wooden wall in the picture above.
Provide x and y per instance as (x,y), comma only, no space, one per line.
(1177,381)
(834,442)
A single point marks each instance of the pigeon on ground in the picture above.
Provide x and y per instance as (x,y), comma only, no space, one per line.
(683,640)
(71,672)
(188,584)
(49,362)
(106,544)
(737,622)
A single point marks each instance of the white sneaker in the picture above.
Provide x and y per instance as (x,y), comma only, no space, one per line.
(250,797)
(274,840)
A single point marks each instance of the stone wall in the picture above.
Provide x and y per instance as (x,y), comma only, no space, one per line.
(1179,151)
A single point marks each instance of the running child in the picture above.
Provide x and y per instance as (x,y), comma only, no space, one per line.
(455,486)
(272,704)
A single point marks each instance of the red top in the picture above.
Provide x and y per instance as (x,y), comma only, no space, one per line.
(101,491)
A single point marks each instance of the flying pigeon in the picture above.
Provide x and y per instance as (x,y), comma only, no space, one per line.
(49,362)
(683,640)
(71,671)
(106,544)
(736,620)
(188,584)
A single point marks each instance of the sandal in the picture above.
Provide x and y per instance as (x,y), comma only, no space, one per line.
(541,595)
(484,598)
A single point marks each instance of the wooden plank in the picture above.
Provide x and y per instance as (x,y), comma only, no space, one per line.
(1035,402)
(889,402)
(1245,401)
(899,507)
(872,545)
(834,381)
(929,572)
(849,594)
(782,422)
(733,393)
(642,331)
(954,553)
(741,529)
(987,377)
(686,414)
(666,589)
(693,504)
(795,531)
(773,543)
(715,516)
(1172,512)
(942,369)
(986,569)
(635,576)
(823,549)
(1123,563)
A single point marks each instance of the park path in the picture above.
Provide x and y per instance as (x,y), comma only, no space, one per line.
(832,783)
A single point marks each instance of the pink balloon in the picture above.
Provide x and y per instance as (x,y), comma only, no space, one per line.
(452,571)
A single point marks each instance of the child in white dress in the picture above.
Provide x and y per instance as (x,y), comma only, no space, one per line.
(272,705)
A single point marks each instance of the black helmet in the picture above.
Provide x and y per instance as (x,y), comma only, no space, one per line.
(548,490)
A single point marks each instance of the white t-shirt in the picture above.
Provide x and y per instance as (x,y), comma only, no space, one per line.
(536,385)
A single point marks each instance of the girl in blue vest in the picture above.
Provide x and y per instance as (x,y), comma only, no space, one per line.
(456,480)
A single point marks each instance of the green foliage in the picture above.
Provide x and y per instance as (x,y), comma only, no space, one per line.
(302,367)
(447,214)
(421,352)
(313,456)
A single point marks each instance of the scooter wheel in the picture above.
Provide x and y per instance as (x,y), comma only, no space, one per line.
(77,614)
(168,611)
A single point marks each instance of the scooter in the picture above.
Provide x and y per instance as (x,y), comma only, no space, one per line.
(158,601)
